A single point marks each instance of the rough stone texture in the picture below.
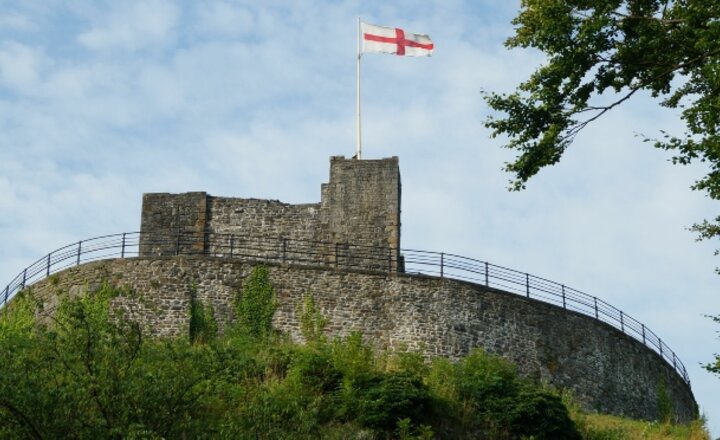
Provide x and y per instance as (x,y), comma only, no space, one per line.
(359,206)
(606,370)
(256,217)
(361,203)
(167,218)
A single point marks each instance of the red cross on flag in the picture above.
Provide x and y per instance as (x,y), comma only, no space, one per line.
(394,40)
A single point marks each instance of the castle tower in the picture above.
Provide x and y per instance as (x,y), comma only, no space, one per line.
(359,208)
(361,204)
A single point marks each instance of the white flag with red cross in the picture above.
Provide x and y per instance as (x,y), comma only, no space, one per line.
(394,40)
(384,39)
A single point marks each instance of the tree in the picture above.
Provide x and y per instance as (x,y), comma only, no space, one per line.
(84,372)
(714,367)
(669,48)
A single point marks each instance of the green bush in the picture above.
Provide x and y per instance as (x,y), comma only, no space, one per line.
(94,374)
(391,397)
(255,305)
(486,395)
(541,415)
(314,370)
(203,326)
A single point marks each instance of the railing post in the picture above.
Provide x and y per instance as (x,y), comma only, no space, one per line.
(177,244)
(643,334)
(674,361)
(7,294)
(527,285)
(122,251)
(442,264)
(24,278)
(47,266)
(660,346)
(597,315)
(337,254)
(622,322)
(487,279)
(284,249)
(563,296)
(79,252)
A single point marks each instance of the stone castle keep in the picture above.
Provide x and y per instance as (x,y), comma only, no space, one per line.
(360,205)
(195,244)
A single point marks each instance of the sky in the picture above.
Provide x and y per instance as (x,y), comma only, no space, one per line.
(102,101)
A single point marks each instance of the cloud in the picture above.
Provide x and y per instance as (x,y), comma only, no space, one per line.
(20,67)
(225,18)
(14,21)
(132,26)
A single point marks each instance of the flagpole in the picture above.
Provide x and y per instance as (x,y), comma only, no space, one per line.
(358,139)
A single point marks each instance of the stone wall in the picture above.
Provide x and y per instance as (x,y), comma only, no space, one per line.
(360,205)
(174,223)
(605,369)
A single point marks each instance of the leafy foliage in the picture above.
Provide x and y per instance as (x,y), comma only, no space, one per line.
(669,48)
(540,414)
(312,323)
(606,427)
(87,374)
(714,367)
(203,326)
(486,395)
(91,373)
(388,398)
(664,402)
(255,306)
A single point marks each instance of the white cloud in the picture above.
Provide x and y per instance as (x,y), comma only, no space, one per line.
(15,21)
(224,18)
(20,67)
(132,25)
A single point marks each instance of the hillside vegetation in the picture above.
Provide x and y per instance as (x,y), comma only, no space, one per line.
(86,372)
(605,427)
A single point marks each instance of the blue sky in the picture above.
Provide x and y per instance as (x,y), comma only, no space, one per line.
(101,101)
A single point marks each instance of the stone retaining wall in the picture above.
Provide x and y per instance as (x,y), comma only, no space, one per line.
(605,369)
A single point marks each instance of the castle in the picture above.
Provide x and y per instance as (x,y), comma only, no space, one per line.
(345,250)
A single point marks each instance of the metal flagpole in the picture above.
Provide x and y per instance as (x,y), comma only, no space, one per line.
(358,139)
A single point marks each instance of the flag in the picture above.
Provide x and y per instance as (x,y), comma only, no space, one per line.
(394,40)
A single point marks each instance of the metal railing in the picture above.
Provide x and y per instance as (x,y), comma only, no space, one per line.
(341,256)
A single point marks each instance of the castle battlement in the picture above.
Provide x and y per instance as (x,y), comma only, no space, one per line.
(359,205)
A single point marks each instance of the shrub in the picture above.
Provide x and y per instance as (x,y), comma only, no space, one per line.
(392,397)
(312,323)
(540,414)
(313,369)
(255,306)
(203,326)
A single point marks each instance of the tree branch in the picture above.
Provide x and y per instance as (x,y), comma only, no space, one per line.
(573,131)
(660,19)
(22,418)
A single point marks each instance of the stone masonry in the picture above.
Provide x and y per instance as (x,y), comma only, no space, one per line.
(606,370)
(360,205)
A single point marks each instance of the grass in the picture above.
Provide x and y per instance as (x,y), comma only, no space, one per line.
(605,427)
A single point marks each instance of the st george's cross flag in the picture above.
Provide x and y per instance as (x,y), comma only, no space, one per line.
(394,40)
